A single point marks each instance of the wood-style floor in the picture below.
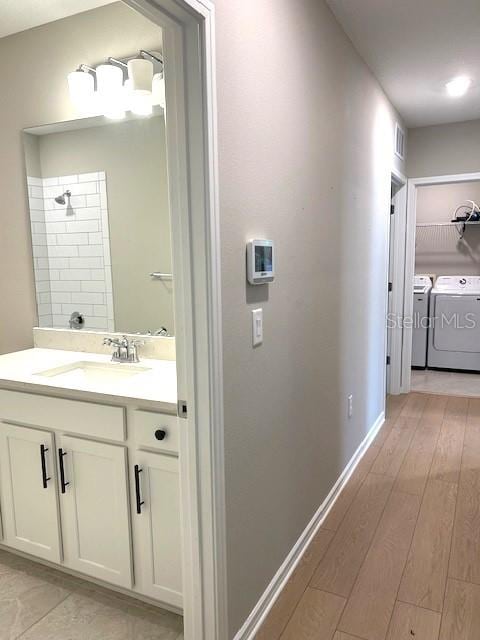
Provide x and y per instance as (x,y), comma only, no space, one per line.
(398,556)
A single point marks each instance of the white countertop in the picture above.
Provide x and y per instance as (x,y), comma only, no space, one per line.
(158,383)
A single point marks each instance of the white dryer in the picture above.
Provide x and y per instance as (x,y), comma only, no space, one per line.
(454,336)
(422,286)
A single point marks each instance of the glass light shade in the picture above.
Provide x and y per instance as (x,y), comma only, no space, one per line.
(82,87)
(158,90)
(140,74)
(109,79)
(110,91)
(141,103)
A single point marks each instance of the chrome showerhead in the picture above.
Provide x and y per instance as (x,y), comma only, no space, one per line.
(61,199)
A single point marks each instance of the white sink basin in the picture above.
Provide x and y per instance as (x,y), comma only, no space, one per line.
(93,372)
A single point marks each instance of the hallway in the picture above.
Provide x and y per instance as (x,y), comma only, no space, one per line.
(398,556)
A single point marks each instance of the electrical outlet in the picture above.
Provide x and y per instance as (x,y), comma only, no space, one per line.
(350,406)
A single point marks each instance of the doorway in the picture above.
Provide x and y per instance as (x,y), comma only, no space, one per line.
(440,249)
(188,48)
(395,283)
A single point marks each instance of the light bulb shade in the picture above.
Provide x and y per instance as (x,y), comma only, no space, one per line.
(141,103)
(109,79)
(140,74)
(110,91)
(112,106)
(158,90)
(81,86)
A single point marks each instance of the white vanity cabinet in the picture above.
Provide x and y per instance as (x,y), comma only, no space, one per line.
(95,509)
(88,488)
(30,514)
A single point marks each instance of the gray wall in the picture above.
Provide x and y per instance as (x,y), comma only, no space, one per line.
(444,149)
(133,155)
(439,250)
(306,148)
(38,94)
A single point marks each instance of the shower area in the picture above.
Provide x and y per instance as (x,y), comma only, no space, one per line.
(71,251)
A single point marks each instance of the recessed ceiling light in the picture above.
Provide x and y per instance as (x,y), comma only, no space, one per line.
(458,86)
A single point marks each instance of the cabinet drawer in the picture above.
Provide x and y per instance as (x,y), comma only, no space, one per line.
(69,416)
(155,430)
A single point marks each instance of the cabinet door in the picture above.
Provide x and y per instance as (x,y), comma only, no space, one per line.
(28,489)
(95,509)
(156,506)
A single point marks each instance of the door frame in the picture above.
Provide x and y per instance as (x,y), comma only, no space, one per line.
(397,234)
(413,185)
(191,131)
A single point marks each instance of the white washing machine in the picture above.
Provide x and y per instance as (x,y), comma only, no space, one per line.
(454,336)
(422,286)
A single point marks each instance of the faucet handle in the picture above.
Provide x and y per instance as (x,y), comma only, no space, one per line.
(137,343)
(108,342)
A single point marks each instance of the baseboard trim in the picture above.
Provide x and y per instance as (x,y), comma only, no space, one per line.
(271,593)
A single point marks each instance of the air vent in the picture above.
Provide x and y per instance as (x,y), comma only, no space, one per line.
(399,142)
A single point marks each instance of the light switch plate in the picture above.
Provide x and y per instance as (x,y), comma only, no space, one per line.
(257,327)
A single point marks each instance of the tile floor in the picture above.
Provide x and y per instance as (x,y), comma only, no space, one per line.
(38,603)
(445,382)
(398,556)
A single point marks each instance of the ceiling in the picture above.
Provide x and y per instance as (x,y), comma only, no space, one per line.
(19,15)
(414,47)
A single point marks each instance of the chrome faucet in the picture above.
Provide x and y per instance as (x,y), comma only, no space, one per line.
(125,350)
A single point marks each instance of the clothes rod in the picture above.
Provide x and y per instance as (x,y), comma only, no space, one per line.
(446,224)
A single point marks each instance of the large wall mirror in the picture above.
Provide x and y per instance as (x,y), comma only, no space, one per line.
(100,224)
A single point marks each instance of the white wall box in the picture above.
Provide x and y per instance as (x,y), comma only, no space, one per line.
(77,490)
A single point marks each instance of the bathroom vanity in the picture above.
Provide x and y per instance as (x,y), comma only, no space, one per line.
(89,468)
(89,447)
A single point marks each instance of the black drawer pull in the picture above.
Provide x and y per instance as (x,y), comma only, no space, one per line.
(63,484)
(45,478)
(138,497)
(160,434)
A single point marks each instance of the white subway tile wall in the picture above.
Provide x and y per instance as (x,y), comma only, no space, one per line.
(71,250)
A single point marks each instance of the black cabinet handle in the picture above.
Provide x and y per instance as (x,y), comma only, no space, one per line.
(160,434)
(138,497)
(45,478)
(63,484)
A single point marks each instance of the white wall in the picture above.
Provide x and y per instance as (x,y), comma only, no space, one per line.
(306,149)
(444,149)
(439,250)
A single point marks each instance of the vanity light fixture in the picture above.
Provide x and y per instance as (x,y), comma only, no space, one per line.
(458,86)
(106,90)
